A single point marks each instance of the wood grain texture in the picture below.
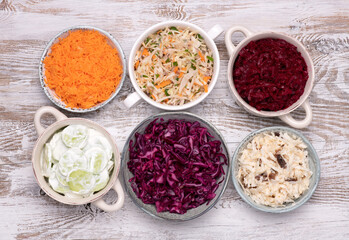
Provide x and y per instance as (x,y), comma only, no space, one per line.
(27,25)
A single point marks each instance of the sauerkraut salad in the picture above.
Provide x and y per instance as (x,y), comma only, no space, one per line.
(77,161)
(174,66)
(274,168)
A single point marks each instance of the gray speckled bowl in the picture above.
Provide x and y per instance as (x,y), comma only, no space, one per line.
(150,208)
(314,165)
(51,94)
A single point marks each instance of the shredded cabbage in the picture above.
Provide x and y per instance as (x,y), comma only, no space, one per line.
(177,165)
(274,168)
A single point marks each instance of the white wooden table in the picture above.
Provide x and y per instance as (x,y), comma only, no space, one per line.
(26,27)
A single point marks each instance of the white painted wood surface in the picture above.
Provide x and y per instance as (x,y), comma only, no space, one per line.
(25,28)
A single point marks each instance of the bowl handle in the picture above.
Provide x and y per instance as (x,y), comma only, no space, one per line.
(287,118)
(43,110)
(100,203)
(228,37)
(215,31)
(132,99)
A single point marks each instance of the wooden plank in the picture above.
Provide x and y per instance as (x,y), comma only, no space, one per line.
(26,27)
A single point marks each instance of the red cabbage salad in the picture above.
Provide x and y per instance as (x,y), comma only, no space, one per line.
(176,165)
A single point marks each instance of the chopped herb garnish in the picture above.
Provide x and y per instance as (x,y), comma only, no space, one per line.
(209,59)
(169,33)
(153,82)
(147,40)
(175,64)
(193,66)
(177,85)
(144,86)
(193,61)
(157,75)
(177,78)
(186,50)
(145,76)
(174,28)
(199,36)
(168,60)
(166,93)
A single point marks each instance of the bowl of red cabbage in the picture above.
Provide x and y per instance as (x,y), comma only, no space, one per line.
(175,166)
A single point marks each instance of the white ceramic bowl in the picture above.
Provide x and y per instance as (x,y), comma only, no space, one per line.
(284,115)
(46,134)
(135,97)
(314,165)
(51,93)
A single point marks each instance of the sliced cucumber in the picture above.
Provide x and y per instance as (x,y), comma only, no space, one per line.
(97,159)
(81,181)
(72,159)
(75,136)
(102,180)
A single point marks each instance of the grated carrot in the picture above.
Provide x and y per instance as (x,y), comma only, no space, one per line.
(164,84)
(206,78)
(145,52)
(136,64)
(206,88)
(202,57)
(181,75)
(83,69)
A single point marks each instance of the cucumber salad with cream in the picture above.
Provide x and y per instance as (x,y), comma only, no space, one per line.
(77,161)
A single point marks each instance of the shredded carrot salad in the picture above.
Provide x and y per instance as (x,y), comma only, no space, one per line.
(83,69)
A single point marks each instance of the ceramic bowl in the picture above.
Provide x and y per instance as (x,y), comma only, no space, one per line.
(46,134)
(284,115)
(209,36)
(51,93)
(314,165)
(150,208)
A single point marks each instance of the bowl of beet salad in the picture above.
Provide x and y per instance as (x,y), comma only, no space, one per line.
(270,75)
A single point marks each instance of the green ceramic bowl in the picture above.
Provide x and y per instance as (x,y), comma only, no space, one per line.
(314,165)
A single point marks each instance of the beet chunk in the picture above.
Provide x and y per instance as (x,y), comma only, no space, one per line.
(270,74)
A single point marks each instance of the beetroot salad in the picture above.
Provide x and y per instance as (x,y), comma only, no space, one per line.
(270,74)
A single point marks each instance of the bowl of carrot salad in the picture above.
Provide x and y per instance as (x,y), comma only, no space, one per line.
(82,69)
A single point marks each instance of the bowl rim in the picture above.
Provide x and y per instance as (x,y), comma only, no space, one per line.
(197,118)
(54,99)
(300,48)
(43,183)
(269,209)
(153,29)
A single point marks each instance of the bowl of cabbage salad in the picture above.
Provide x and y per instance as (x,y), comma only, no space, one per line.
(174,65)
(275,169)
(76,161)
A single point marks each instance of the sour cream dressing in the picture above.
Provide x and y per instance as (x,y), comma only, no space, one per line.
(77,161)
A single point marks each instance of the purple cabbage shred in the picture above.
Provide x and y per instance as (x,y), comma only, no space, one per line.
(176,165)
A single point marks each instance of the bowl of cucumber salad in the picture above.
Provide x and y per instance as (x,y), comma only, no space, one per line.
(76,161)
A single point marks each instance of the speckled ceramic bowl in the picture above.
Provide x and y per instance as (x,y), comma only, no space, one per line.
(51,94)
(314,165)
(150,208)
